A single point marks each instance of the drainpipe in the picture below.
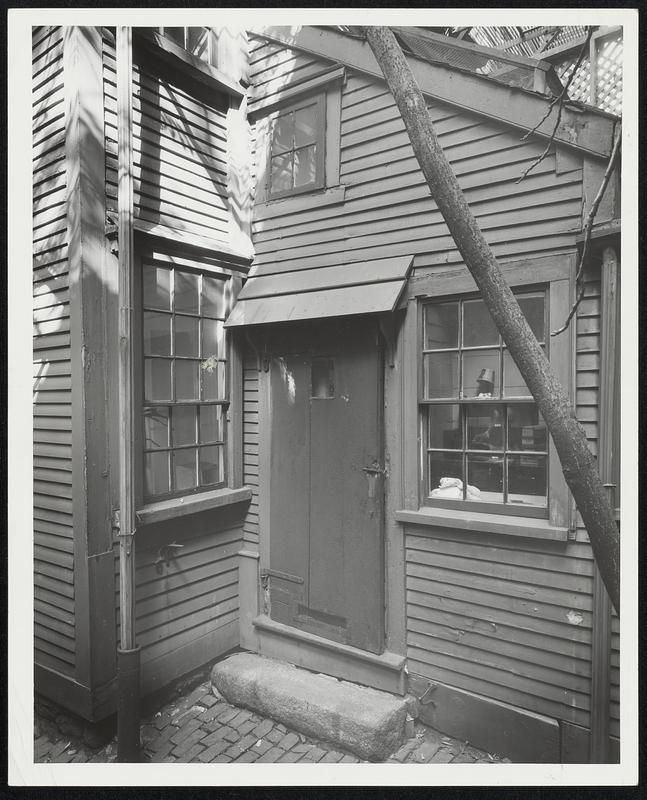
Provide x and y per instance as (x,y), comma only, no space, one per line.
(128,666)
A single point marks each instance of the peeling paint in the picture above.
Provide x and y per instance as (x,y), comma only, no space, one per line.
(288,380)
(575,618)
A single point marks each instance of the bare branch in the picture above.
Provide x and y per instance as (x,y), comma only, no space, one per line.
(588,227)
(558,99)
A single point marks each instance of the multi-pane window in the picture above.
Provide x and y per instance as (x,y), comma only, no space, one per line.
(297,148)
(200,42)
(185,390)
(484,440)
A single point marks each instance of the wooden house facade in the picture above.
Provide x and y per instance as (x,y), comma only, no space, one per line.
(338,463)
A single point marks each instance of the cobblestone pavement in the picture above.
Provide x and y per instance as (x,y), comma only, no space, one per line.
(201,728)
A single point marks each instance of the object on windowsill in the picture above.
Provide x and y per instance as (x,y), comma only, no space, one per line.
(485,383)
(452,489)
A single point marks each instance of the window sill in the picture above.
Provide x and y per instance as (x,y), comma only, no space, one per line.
(178,507)
(300,202)
(524,527)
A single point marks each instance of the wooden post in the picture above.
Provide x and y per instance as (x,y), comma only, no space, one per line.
(128,744)
(601,637)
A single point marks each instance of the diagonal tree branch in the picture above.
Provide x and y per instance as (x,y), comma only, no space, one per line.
(559,101)
(578,463)
(588,227)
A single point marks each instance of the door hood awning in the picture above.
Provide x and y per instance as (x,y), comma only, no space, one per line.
(362,287)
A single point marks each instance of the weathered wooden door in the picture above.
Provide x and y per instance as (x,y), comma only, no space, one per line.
(326,484)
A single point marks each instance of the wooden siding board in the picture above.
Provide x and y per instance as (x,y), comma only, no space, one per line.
(53,557)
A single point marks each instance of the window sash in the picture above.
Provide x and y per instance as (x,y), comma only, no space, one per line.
(193,303)
(461,400)
(318,143)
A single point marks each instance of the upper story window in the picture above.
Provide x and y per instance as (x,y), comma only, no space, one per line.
(185,392)
(484,441)
(200,42)
(297,148)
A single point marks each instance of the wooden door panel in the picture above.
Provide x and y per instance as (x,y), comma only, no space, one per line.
(289,485)
(326,511)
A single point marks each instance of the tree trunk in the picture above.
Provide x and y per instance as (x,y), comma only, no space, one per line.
(578,463)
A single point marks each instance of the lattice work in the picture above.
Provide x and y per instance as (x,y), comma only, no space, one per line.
(609,75)
(580,88)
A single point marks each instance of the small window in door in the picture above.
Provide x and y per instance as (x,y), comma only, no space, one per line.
(322,379)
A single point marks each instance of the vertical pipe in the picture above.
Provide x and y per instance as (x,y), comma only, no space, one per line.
(128,742)
(601,641)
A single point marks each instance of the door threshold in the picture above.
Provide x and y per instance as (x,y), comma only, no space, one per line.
(381,671)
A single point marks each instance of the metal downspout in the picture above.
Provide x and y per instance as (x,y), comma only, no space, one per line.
(128,663)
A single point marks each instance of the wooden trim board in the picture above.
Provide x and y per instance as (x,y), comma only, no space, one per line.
(276,640)
(496,727)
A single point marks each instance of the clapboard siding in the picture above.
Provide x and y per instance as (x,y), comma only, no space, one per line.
(250,447)
(195,595)
(588,359)
(388,210)
(508,620)
(54,629)
(180,154)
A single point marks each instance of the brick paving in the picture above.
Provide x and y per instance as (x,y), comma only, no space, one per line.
(201,728)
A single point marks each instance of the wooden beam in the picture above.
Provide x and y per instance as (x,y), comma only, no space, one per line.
(126,378)
(89,296)
(585,130)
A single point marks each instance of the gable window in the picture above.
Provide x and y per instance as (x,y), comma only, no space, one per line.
(484,441)
(185,391)
(296,157)
(200,42)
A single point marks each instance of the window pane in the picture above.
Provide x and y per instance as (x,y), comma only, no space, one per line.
(157,287)
(305,126)
(281,178)
(157,379)
(184,469)
(213,381)
(185,297)
(533,309)
(485,477)
(198,42)
(157,334)
(176,34)
(485,429)
(156,473)
(283,133)
(156,427)
(441,326)
(481,373)
(478,326)
(444,427)
(186,380)
(183,427)
(213,333)
(513,384)
(526,428)
(213,297)
(211,465)
(443,467)
(323,378)
(305,166)
(211,424)
(187,338)
(527,480)
(441,375)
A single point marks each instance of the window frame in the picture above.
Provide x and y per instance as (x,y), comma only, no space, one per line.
(557,273)
(166,256)
(319,101)
(212,47)
(463,402)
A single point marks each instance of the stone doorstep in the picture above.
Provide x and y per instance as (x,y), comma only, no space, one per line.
(364,721)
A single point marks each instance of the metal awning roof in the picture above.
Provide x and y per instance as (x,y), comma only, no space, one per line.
(364,287)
